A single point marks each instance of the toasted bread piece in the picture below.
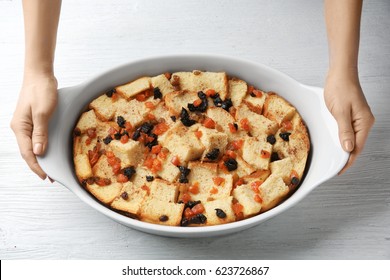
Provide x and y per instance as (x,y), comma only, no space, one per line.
(102,169)
(129,199)
(105,194)
(184,144)
(212,139)
(103,107)
(202,175)
(87,120)
(130,154)
(256,152)
(260,175)
(211,207)
(163,84)
(161,212)
(82,166)
(222,118)
(245,195)
(163,190)
(272,192)
(177,100)
(139,178)
(278,109)
(202,81)
(133,111)
(237,91)
(161,112)
(82,146)
(255,103)
(259,125)
(282,168)
(133,88)
(169,172)
(243,168)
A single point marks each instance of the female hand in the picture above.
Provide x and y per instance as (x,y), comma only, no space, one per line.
(37,101)
(345,100)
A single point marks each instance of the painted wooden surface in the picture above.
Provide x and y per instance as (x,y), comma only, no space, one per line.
(347,217)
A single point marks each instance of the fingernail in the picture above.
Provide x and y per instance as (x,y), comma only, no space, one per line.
(348,145)
(38,148)
(50,179)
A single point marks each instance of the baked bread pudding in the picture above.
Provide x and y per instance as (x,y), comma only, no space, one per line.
(190,149)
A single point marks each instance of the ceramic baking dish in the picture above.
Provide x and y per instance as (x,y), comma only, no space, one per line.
(325,161)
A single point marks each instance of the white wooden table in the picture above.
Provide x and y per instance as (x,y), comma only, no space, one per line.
(347,217)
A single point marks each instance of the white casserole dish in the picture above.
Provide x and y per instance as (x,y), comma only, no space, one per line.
(326,158)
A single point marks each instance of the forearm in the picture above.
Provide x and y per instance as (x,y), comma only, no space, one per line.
(343,28)
(40,23)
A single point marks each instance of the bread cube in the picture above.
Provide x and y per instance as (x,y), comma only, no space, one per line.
(139,178)
(131,201)
(87,120)
(164,191)
(82,166)
(130,153)
(105,194)
(259,175)
(202,81)
(161,112)
(278,109)
(243,168)
(252,152)
(177,100)
(272,192)
(169,172)
(161,212)
(163,84)
(259,125)
(245,195)
(183,144)
(224,204)
(133,88)
(82,146)
(102,168)
(282,168)
(237,91)
(223,118)
(255,103)
(103,107)
(212,139)
(202,175)
(133,111)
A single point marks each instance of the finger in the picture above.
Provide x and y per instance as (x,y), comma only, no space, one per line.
(39,134)
(346,131)
(25,147)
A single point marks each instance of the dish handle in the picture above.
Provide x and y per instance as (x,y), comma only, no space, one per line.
(55,162)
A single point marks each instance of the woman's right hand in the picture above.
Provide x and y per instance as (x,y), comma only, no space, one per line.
(37,102)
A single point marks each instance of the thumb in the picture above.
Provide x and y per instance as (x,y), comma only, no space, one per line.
(346,132)
(39,134)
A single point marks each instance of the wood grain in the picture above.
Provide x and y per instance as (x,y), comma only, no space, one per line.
(347,217)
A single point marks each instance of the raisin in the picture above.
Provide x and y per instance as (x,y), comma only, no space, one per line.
(121,121)
(191,204)
(91,180)
(198,219)
(146,128)
(163,218)
(137,134)
(235,126)
(220,213)
(149,178)
(110,92)
(184,222)
(294,181)
(152,143)
(231,164)
(184,171)
(173,118)
(117,136)
(285,136)
(77,132)
(252,94)
(124,195)
(217,100)
(271,139)
(183,180)
(107,140)
(129,172)
(274,157)
(157,93)
(227,104)
(185,118)
(213,154)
